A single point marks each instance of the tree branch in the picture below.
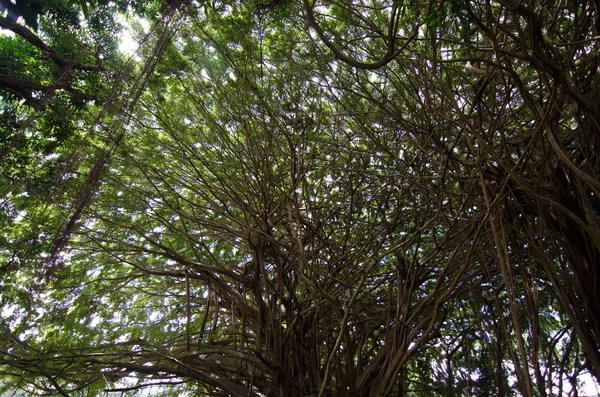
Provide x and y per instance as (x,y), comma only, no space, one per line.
(387,58)
(45,48)
(21,87)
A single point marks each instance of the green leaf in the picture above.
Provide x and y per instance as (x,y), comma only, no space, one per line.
(433,20)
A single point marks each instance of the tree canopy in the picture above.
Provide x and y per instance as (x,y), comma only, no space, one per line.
(300,198)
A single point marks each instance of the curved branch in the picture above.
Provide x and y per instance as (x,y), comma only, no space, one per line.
(32,38)
(22,87)
(387,58)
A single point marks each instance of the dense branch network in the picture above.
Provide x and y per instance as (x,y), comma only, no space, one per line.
(279,220)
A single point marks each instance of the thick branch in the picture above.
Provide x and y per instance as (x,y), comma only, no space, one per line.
(22,86)
(36,41)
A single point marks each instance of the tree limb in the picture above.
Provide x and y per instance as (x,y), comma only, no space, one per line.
(387,58)
(22,87)
(45,48)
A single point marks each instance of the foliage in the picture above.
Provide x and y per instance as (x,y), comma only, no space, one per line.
(311,198)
